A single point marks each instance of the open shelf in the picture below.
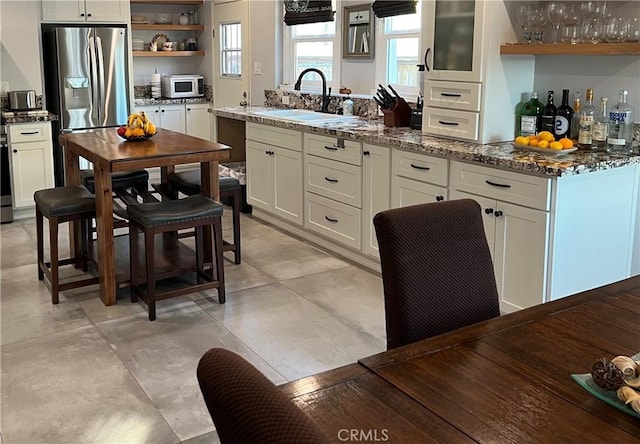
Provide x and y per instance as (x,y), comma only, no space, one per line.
(168,53)
(168,2)
(627,48)
(149,27)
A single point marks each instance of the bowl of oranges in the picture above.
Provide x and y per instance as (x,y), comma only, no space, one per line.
(545,142)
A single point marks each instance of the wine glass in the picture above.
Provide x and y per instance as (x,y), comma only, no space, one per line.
(524,19)
(591,30)
(538,21)
(616,29)
(570,29)
(556,13)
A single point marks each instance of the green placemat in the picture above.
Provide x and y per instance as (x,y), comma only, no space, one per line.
(608,396)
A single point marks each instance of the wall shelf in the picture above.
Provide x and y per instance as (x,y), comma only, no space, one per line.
(168,53)
(627,48)
(168,2)
(149,27)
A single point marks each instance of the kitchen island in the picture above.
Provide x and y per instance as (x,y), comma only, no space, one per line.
(556,223)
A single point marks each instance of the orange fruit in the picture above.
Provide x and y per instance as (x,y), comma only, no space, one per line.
(521,140)
(546,135)
(534,142)
(566,143)
(543,144)
(555,145)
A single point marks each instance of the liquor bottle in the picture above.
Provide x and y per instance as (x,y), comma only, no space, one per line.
(525,98)
(620,126)
(585,125)
(601,126)
(548,114)
(575,122)
(531,116)
(564,117)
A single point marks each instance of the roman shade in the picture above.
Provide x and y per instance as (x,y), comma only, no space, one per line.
(316,11)
(391,8)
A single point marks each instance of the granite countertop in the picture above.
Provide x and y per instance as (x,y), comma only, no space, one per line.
(502,155)
(163,101)
(11,117)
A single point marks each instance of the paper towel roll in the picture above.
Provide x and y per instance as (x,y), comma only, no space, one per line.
(155,78)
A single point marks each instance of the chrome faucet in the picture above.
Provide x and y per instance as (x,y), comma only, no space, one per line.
(326,98)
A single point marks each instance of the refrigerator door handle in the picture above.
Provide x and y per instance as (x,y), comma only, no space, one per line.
(102,87)
(94,78)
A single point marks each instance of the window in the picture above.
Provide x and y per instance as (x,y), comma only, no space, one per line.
(398,53)
(231,50)
(313,45)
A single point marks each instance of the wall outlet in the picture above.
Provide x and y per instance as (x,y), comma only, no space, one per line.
(257,68)
(285,100)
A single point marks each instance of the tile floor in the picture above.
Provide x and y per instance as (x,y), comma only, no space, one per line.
(80,372)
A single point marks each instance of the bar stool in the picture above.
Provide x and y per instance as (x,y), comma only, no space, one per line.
(172,215)
(138,180)
(188,182)
(59,205)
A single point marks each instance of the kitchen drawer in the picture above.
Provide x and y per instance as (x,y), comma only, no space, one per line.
(453,95)
(271,135)
(420,167)
(507,186)
(450,123)
(334,148)
(335,180)
(29,132)
(333,219)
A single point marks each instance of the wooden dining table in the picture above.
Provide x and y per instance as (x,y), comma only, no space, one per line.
(109,153)
(506,380)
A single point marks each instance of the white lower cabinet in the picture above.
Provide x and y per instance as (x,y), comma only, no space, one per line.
(31,161)
(417,179)
(376,192)
(518,239)
(274,173)
(171,117)
(198,120)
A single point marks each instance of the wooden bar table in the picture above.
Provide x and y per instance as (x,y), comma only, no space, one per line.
(505,380)
(109,154)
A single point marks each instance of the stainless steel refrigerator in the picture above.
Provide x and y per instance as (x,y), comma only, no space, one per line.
(86,79)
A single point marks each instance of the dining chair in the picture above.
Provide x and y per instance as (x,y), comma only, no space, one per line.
(437,271)
(246,407)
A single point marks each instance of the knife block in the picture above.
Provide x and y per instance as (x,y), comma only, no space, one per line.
(399,115)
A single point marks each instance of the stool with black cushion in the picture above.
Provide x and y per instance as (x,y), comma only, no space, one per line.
(59,205)
(197,212)
(188,182)
(138,180)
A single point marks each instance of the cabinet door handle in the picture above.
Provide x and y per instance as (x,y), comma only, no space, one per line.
(330,180)
(450,95)
(365,153)
(444,122)
(155,111)
(500,185)
(30,133)
(418,167)
(162,110)
(335,221)
(426,64)
(497,213)
(488,210)
(439,198)
(15,151)
(331,147)
(82,14)
(188,109)
(89,15)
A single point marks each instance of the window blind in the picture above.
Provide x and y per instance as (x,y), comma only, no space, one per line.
(391,8)
(316,11)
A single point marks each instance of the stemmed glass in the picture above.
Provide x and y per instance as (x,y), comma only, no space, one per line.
(570,31)
(538,21)
(524,19)
(556,13)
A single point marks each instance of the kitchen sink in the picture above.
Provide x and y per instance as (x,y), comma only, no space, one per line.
(302,115)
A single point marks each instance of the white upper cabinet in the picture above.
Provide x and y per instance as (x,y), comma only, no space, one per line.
(93,11)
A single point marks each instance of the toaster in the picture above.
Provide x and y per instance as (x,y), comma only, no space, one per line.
(22,100)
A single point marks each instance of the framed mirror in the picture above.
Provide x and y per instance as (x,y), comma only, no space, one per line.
(358,37)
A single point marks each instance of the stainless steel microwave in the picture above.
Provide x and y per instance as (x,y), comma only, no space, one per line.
(179,86)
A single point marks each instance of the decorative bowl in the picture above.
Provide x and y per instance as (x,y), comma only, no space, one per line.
(137,138)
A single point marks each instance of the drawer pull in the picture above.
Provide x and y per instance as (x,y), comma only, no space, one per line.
(30,133)
(418,167)
(439,198)
(498,214)
(444,122)
(488,210)
(331,147)
(500,185)
(335,221)
(450,95)
(330,180)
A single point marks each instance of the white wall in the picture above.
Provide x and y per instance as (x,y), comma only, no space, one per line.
(20,53)
(265,19)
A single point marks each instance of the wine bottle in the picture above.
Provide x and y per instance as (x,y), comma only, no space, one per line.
(601,126)
(575,122)
(564,117)
(531,116)
(519,107)
(585,129)
(620,135)
(548,114)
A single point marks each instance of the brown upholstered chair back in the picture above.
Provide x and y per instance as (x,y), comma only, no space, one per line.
(436,269)
(248,408)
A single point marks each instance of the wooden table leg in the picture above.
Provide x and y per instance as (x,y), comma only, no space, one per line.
(72,177)
(106,248)
(210,188)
